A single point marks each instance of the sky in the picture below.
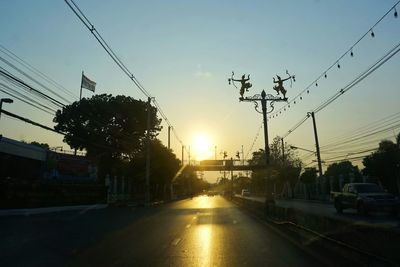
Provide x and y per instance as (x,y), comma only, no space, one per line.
(183,53)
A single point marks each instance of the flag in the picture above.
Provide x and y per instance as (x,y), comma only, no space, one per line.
(87,83)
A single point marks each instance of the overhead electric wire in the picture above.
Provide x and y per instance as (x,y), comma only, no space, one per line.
(31,102)
(30,121)
(297,125)
(369,126)
(353,153)
(104,44)
(353,83)
(361,77)
(36,71)
(89,25)
(368,134)
(33,79)
(11,77)
(336,62)
(254,141)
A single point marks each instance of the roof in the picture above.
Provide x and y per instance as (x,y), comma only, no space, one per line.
(21,149)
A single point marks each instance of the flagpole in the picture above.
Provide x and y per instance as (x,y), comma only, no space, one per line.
(80,95)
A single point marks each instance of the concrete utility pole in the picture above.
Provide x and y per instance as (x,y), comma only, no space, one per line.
(183,156)
(316,144)
(264,112)
(148,151)
(189,156)
(232,193)
(242,156)
(169,137)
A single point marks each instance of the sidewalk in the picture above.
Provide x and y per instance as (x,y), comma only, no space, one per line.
(28,212)
(327,209)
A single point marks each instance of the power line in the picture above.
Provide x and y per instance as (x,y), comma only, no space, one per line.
(368,134)
(254,141)
(30,121)
(82,17)
(37,105)
(18,81)
(36,71)
(353,83)
(32,79)
(367,127)
(335,63)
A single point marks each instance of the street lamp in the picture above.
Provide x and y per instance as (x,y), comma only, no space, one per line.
(318,158)
(5,100)
(295,147)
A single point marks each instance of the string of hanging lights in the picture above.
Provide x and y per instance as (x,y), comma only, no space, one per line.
(336,63)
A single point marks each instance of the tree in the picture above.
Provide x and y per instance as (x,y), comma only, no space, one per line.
(385,165)
(284,169)
(36,143)
(343,169)
(308,177)
(105,124)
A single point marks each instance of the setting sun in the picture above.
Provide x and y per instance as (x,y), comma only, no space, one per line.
(202,146)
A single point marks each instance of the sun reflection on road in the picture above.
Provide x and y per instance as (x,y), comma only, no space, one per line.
(204,236)
(205,202)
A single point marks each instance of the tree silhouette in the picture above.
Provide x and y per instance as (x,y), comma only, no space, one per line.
(384,164)
(105,124)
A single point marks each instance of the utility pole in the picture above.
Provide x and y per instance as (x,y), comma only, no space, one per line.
(148,151)
(183,158)
(316,144)
(264,112)
(189,156)
(263,98)
(169,137)
(232,177)
(242,156)
(283,151)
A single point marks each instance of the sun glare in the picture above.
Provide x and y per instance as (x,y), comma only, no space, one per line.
(202,146)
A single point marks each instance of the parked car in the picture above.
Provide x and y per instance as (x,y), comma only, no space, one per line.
(245,193)
(365,197)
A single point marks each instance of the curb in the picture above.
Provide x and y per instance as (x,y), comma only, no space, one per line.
(28,212)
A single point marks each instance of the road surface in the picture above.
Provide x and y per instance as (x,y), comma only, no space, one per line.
(203,231)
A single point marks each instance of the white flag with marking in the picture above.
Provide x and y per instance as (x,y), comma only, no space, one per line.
(87,83)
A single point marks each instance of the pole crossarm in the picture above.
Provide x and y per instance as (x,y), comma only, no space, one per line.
(263,97)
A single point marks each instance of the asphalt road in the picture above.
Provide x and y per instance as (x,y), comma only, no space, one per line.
(204,231)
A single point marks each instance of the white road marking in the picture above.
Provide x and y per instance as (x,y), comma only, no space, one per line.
(176,241)
(188,226)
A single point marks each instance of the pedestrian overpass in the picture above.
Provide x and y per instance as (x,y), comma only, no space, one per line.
(223,165)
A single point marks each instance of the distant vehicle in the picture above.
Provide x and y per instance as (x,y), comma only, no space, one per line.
(365,197)
(245,193)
